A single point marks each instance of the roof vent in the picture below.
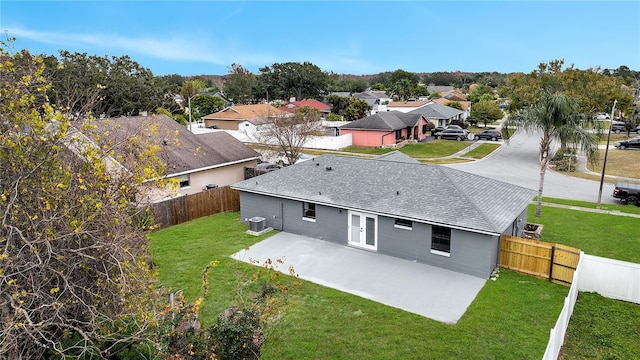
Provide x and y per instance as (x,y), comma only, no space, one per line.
(328,168)
(165,141)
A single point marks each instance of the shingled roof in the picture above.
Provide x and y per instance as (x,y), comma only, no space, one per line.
(244,112)
(436,111)
(181,150)
(419,192)
(386,120)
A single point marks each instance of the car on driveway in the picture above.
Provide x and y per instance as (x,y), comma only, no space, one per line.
(635,130)
(633,143)
(443,128)
(492,135)
(452,134)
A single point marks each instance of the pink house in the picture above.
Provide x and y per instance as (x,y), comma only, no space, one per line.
(386,128)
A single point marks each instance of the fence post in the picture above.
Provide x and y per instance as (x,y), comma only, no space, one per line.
(553,253)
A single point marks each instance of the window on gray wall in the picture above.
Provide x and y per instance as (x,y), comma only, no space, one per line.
(403,223)
(309,210)
(441,239)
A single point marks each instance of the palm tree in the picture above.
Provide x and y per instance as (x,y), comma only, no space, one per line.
(556,116)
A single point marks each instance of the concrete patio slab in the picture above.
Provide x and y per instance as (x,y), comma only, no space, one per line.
(418,288)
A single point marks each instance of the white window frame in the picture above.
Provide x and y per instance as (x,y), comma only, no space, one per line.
(306,207)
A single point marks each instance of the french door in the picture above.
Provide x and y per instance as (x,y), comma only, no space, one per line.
(363,230)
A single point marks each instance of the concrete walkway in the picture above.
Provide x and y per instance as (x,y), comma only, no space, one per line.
(421,289)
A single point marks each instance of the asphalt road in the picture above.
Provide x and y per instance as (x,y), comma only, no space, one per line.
(517,162)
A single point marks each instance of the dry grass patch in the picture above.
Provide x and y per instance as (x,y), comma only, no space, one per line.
(624,163)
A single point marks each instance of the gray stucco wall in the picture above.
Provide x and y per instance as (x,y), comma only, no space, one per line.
(517,227)
(471,253)
(286,215)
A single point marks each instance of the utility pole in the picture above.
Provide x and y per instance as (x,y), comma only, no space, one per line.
(606,152)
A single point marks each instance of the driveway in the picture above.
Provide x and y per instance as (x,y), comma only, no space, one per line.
(421,289)
(517,162)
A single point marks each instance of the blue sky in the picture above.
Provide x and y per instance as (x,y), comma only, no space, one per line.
(345,37)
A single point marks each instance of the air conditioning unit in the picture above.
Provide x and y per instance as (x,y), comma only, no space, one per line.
(257,223)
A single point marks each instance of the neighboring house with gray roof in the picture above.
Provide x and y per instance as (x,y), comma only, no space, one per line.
(426,213)
(197,162)
(397,156)
(439,115)
(386,128)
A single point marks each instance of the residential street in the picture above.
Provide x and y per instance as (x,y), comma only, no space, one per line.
(516,162)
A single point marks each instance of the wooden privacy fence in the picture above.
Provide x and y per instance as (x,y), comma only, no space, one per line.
(555,262)
(189,207)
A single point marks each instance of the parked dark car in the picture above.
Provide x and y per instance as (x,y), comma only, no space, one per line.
(628,144)
(492,135)
(443,128)
(618,127)
(627,193)
(635,130)
(452,134)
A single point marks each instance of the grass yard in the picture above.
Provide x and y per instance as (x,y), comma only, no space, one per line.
(611,236)
(510,318)
(602,328)
(615,208)
(624,163)
(482,151)
(431,149)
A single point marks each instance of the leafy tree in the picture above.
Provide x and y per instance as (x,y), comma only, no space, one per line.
(557,117)
(357,109)
(74,266)
(338,103)
(486,111)
(403,88)
(378,86)
(115,86)
(205,104)
(400,75)
(455,105)
(480,92)
(594,90)
(346,83)
(290,133)
(439,79)
(300,80)
(239,84)
(191,88)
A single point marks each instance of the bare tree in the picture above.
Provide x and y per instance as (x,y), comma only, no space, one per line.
(290,132)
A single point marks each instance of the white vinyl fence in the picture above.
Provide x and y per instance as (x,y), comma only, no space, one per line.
(556,335)
(614,279)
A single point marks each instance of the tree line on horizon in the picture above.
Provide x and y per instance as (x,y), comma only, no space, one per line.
(119,86)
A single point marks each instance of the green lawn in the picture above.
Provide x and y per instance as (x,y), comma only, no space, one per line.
(602,328)
(605,235)
(431,149)
(482,151)
(510,318)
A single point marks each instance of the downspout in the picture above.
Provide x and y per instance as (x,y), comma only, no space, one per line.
(389,133)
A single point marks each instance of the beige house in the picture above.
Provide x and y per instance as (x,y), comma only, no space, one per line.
(195,162)
(406,106)
(230,118)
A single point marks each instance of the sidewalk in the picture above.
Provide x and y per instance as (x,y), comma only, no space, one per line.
(579,208)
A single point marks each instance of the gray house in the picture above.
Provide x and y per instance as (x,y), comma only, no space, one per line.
(392,205)
(439,115)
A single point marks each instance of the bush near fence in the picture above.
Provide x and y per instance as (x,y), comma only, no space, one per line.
(189,207)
